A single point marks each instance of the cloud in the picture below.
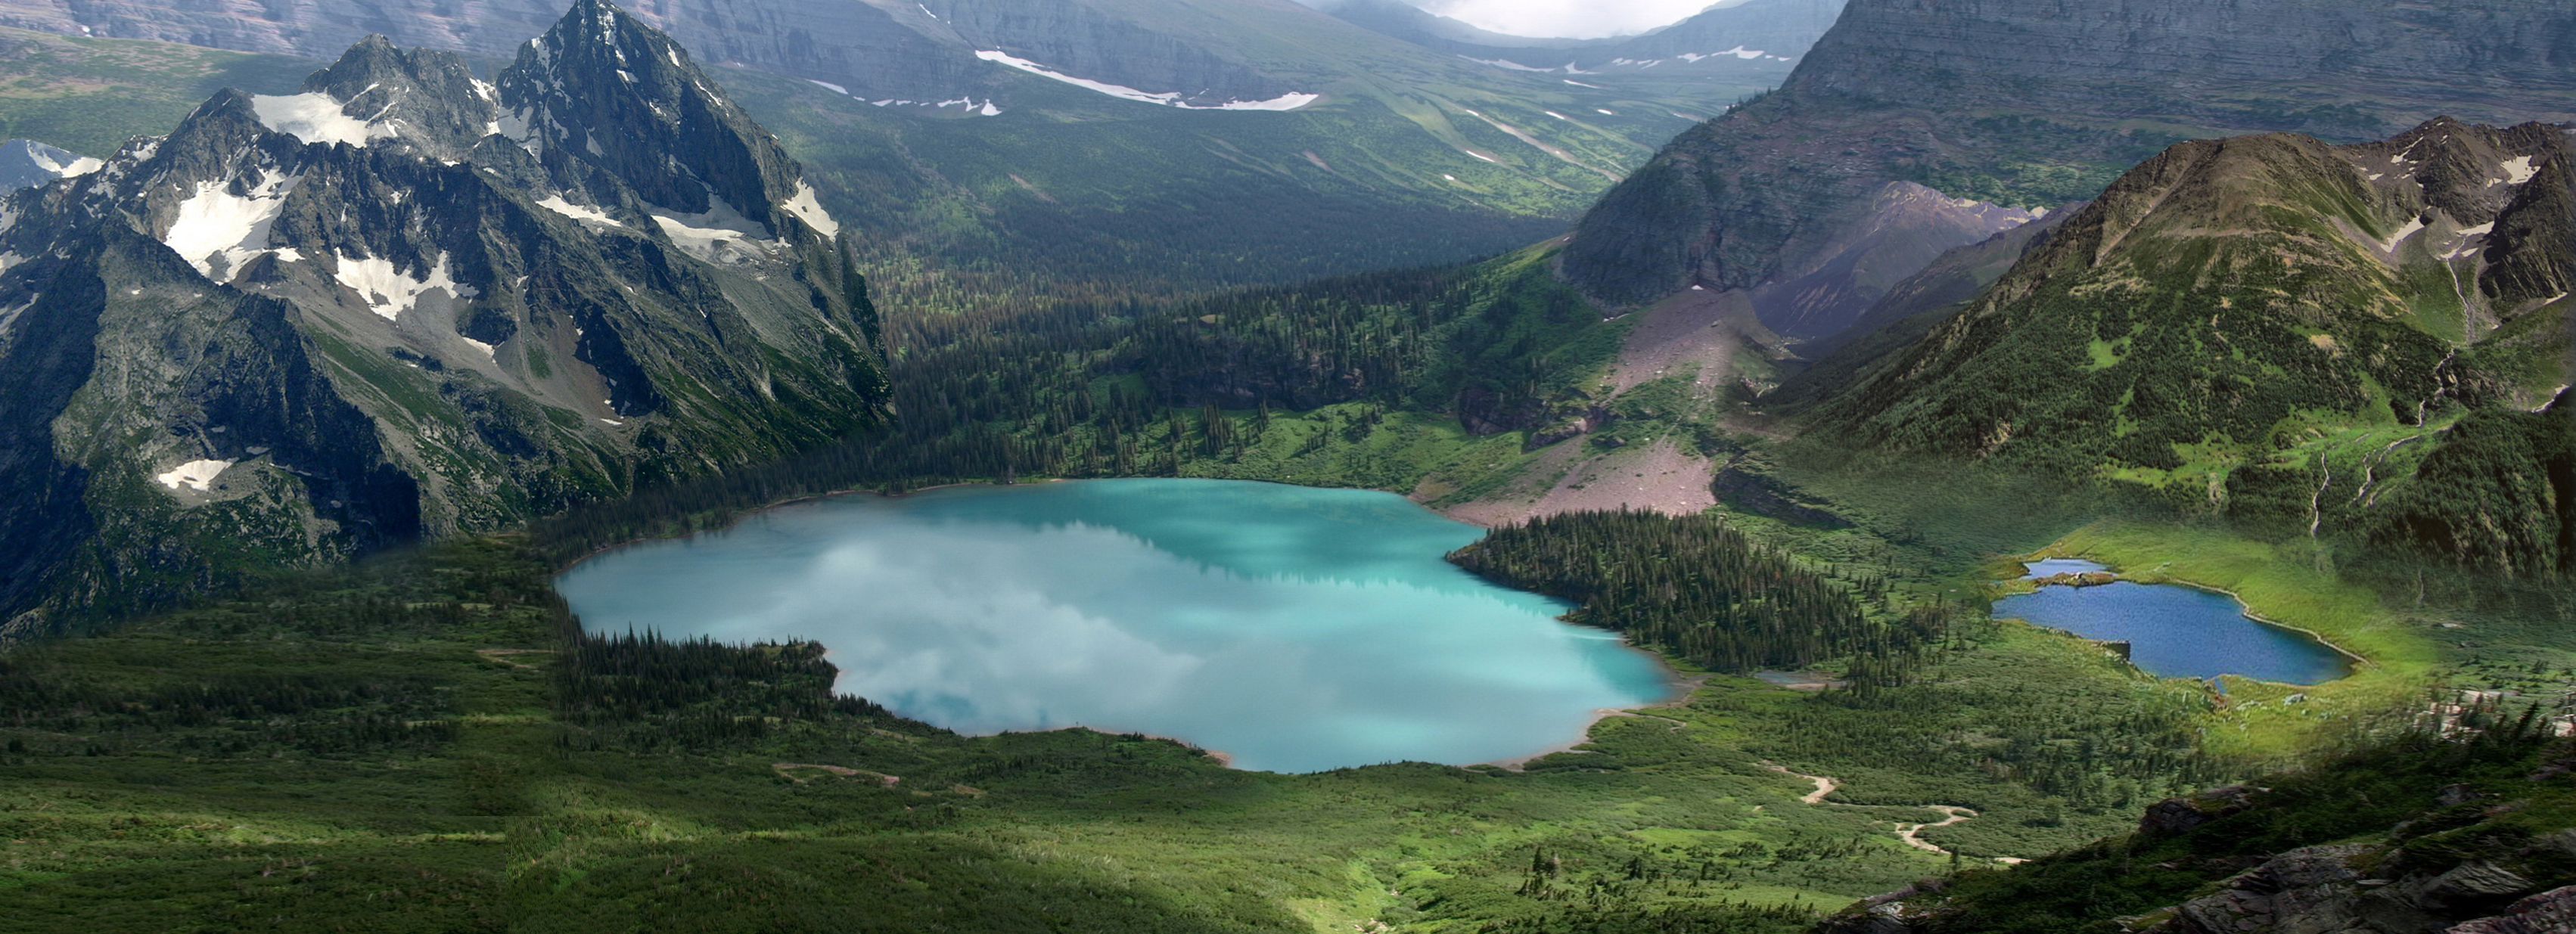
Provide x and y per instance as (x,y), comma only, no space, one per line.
(1573,19)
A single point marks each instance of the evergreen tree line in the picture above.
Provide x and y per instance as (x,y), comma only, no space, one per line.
(641,692)
(57,709)
(1125,388)
(1697,587)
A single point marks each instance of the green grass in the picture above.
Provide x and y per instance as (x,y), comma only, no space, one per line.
(2285,584)
(492,806)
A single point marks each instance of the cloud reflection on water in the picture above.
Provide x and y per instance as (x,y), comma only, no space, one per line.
(1294,629)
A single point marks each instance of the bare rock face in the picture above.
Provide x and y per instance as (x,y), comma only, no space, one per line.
(2549,912)
(407,302)
(2175,815)
(2312,886)
(1906,228)
(2213,61)
(2034,102)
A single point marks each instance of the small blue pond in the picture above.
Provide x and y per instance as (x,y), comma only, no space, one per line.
(1295,629)
(2174,631)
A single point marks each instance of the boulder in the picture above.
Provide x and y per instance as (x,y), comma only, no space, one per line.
(2175,815)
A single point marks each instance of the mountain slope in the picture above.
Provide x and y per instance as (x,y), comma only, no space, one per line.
(2259,325)
(2012,101)
(404,302)
(940,118)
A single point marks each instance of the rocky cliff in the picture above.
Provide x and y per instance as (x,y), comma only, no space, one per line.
(2038,102)
(408,302)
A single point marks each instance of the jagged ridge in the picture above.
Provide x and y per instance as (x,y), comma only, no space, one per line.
(405,301)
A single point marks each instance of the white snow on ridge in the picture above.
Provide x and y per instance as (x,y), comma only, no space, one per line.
(216,224)
(829,86)
(579,212)
(196,475)
(315,118)
(2413,226)
(706,235)
(79,166)
(1169,99)
(388,291)
(2518,170)
(810,211)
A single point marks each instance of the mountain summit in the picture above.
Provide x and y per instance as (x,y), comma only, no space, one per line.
(2021,102)
(403,302)
(2376,337)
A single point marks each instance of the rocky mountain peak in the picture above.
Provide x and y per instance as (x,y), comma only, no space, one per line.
(605,89)
(2020,102)
(332,320)
(426,99)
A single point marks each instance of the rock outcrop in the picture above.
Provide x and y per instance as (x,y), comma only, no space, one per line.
(2315,854)
(408,302)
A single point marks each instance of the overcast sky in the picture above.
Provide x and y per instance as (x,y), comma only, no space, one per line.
(1579,19)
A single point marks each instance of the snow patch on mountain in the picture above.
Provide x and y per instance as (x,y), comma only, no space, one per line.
(50,159)
(1289,101)
(216,225)
(810,211)
(709,235)
(579,212)
(388,290)
(195,475)
(314,117)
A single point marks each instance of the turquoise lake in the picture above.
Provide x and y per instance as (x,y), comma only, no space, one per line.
(1293,629)
(2174,631)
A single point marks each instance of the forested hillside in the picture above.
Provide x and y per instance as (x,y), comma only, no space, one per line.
(2369,340)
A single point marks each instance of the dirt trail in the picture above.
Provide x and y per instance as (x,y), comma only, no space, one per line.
(1824,785)
(787,770)
(1906,833)
(1955,814)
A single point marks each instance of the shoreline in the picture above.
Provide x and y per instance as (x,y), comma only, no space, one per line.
(1679,687)
(2358,660)
(1683,687)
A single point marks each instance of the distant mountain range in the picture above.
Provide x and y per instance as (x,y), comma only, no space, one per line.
(2015,102)
(405,301)
(1029,143)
